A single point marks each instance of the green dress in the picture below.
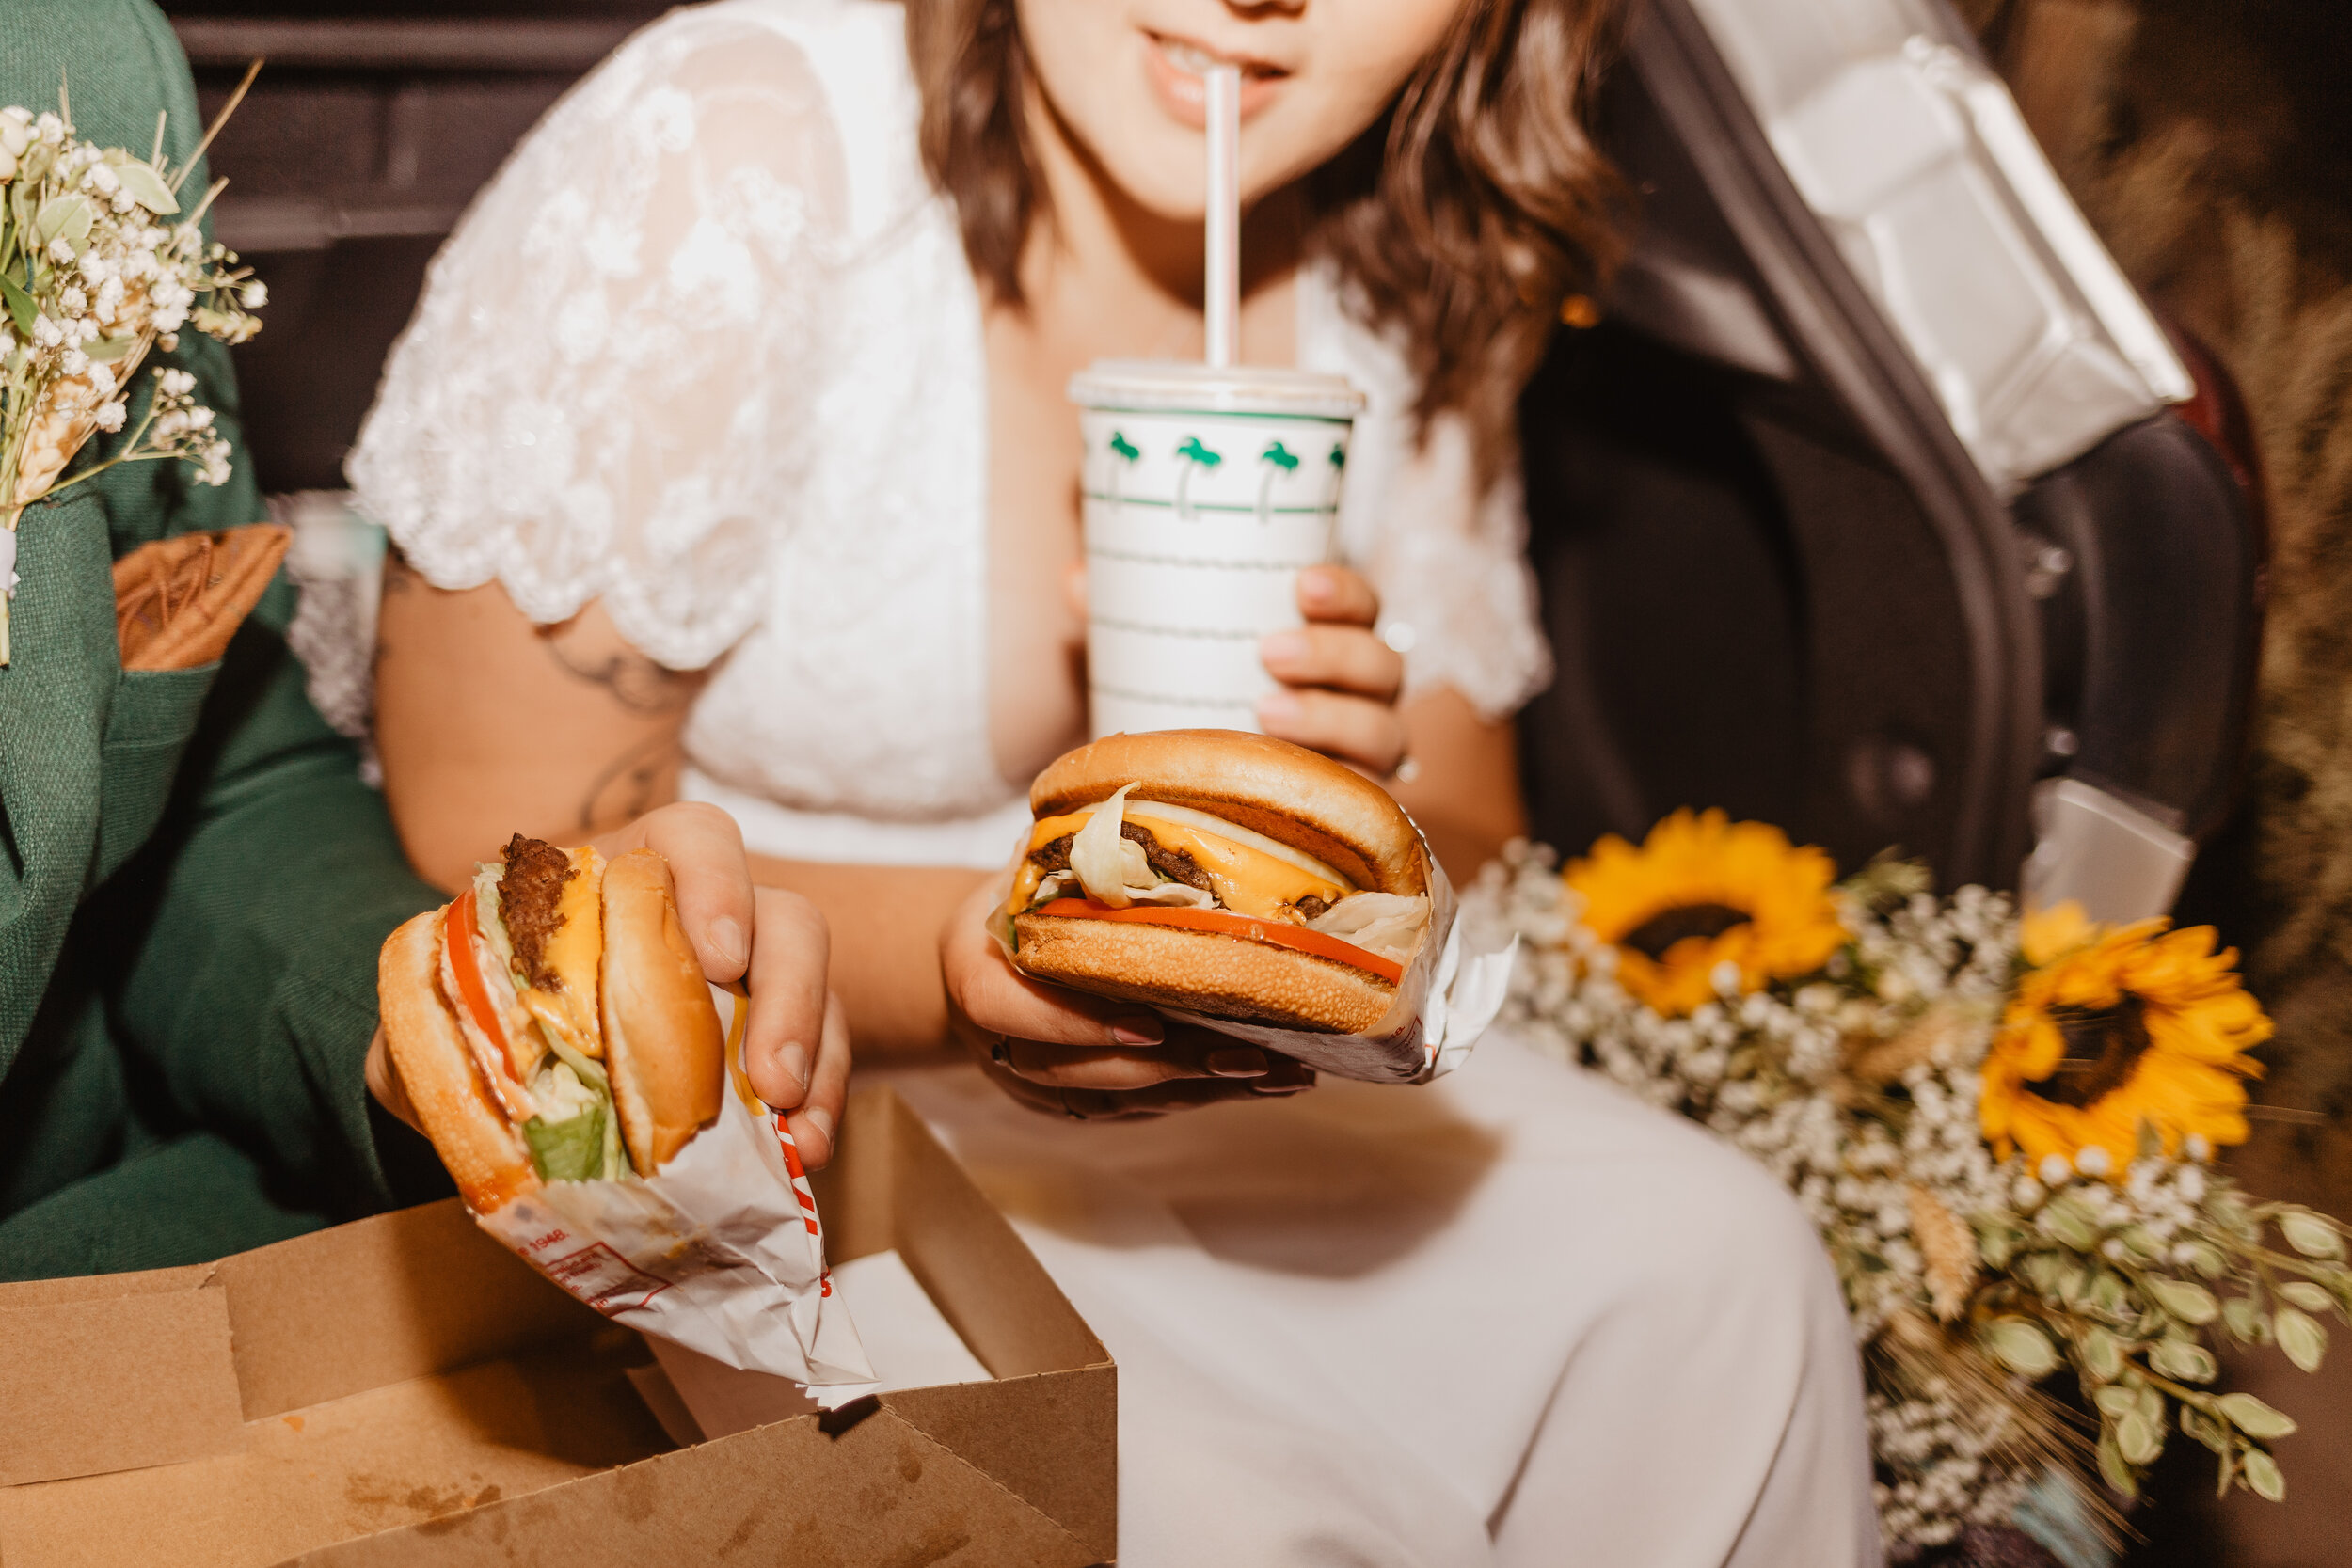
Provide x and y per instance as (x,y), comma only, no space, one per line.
(194,879)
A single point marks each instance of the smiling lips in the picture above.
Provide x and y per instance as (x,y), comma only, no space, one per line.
(1177,67)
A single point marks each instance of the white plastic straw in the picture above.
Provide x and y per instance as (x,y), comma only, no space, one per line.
(1222,306)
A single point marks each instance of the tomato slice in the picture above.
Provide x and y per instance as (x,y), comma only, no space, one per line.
(1226,923)
(476,997)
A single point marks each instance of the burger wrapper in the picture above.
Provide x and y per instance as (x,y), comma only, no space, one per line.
(719,1251)
(1448,994)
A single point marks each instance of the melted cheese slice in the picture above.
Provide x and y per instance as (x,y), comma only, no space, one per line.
(567,1011)
(1260,882)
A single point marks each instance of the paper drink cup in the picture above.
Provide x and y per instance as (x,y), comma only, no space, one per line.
(1205,491)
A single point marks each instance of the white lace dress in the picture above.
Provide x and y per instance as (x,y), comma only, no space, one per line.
(707,350)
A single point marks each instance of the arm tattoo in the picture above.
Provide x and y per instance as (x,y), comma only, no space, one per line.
(636,682)
(631,785)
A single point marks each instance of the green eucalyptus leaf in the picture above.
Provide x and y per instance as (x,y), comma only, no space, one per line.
(2262,1474)
(2206,1259)
(2044,1270)
(147,187)
(2139,1439)
(2152,1405)
(2304,1341)
(2113,1465)
(2184,1359)
(2310,1235)
(1997,1244)
(2115,1400)
(2109,1293)
(2253,1417)
(2019,1344)
(2243,1319)
(2142,1245)
(20,307)
(67,217)
(105,351)
(2066,1220)
(2307,1295)
(2186,1300)
(2103,1354)
(2205,1429)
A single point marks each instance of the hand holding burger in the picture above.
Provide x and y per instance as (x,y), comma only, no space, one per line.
(797,1046)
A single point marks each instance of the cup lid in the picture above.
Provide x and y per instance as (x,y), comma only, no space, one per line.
(1153,384)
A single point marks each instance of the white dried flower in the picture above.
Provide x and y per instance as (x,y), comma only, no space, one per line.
(110,417)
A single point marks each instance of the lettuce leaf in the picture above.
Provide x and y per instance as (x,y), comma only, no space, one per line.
(572,1150)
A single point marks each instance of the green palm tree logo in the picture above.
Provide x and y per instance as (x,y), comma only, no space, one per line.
(1127,451)
(1277,459)
(1195,457)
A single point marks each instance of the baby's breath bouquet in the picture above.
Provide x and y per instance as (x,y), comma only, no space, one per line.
(99,263)
(2002,1128)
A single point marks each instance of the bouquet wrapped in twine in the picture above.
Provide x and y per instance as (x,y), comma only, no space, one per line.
(2002,1128)
(100,264)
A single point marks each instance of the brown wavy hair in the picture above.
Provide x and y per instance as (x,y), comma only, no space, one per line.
(1466,216)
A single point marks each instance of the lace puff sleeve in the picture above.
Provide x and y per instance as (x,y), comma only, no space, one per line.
(1456,596)
(604,392)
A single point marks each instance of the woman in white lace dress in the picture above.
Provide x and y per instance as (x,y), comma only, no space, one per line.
(729,460)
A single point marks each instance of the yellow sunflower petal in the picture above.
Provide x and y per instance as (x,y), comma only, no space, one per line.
(1783,919)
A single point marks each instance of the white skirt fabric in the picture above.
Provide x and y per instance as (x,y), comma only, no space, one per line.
(1513,1318)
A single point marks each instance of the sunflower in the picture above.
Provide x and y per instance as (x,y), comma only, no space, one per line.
(2117,1028)
(1702,891)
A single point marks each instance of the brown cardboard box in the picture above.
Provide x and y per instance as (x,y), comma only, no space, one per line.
(405,1389)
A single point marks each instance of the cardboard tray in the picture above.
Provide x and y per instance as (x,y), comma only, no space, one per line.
(404,1387)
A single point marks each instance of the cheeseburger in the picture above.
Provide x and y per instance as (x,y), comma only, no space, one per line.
(1225,874)
(552,1023)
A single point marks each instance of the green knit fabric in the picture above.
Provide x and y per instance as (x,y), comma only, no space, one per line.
(194,880)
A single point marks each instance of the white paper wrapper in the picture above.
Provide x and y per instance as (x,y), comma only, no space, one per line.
(1448,995)
(719,1251)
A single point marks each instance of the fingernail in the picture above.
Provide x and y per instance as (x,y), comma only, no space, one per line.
(1284,647)
(1280,710)
(820,1120)
(1279,1087)
(794,1057)
(726,936)
(1240,1062)
(1139,1031)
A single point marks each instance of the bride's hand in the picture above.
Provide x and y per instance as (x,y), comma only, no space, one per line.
(1068,1053)
(1341,680)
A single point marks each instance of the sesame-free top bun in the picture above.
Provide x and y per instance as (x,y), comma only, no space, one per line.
(485,1156)
(662,1043)
(1203,972)
(1288,793)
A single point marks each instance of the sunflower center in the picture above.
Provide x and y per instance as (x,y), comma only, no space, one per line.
(2103,1046)
(1653,937)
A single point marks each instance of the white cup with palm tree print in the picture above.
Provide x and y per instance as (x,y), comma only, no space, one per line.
(1205,492)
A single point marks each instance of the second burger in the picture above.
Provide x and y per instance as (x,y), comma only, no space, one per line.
(1224,873)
